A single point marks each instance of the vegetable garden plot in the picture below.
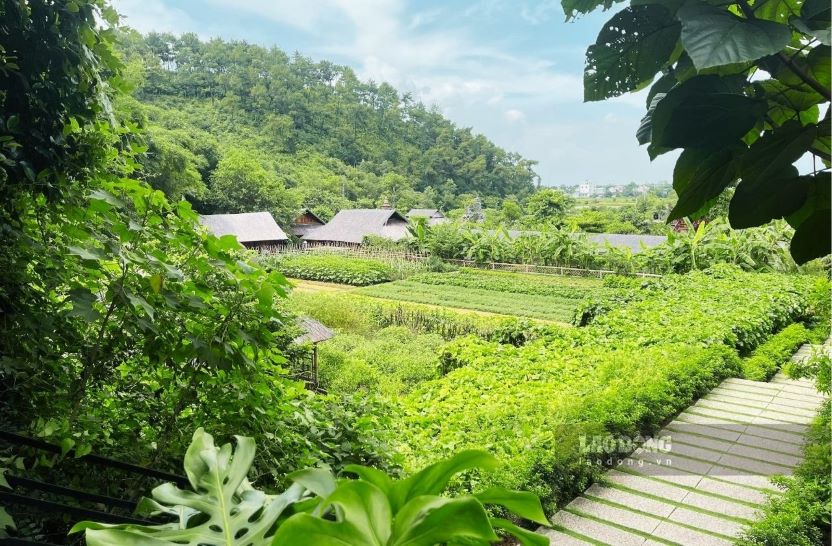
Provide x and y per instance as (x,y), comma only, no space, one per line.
(624,374)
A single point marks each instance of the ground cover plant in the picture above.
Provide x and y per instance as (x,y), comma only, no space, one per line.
(776,351)
(626,372)
(331,268)
(549,308)
(390,362)
(569,287)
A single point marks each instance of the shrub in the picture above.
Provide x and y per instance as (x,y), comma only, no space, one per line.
(800,516)
(390,362)
(775,352)
(331,268)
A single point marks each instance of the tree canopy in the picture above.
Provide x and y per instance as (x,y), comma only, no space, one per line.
(743,88)
(334,139)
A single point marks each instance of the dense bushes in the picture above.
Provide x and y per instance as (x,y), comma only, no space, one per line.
(331,268)
(498,281)
(625,373)
(775,352)
(390,362)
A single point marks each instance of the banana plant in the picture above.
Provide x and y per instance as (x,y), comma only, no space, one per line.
(320,509)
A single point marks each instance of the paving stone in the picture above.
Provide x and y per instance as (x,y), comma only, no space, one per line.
(800,398)
(672,462)
(797,403)
(694,452)
(790,461)
(773,445)
(630,500)
(646,485)
(707,431)
(732,490)
(783,433)
(782,406)
(778,425)
(740,477)
(786,417)
(683,535)
(702,442)
(719,505)
(561,539)
(738,401)
(715,524)
(741,394)
(611,514)
(596,530)
(730,408)
(754,466)
(673,475)
(725,416)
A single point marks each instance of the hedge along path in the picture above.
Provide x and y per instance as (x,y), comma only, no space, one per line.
(709,480)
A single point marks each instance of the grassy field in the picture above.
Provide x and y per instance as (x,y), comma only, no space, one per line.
(550,308)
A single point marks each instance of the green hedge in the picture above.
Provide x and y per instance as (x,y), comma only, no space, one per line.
(775,352)
(332,268)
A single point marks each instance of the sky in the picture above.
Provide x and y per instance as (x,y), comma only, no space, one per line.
(509,69)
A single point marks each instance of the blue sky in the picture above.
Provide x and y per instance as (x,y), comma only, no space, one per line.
(510,69)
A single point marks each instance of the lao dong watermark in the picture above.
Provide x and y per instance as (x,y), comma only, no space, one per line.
(613,450)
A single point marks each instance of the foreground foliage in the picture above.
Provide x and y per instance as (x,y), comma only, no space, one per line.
(373,510)
(711,102)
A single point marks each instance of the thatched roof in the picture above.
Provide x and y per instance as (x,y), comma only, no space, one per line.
(314,331)
(248,227)
(352,225)
(633,242)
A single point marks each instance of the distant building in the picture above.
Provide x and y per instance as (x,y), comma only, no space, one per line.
(305,222)
(434,216)
(252,229)
(350,226)
(587,189)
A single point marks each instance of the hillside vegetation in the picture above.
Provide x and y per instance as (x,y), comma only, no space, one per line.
(297,132)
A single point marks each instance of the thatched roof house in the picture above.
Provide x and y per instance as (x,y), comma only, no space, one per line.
(252,229)
(633,242)
(434,216)
(352,225)
(306,222)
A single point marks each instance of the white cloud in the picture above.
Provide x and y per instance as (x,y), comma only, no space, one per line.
(514,115)
(154,15)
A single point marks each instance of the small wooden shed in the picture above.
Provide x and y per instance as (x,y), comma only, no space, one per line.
(306,222)
(313,332)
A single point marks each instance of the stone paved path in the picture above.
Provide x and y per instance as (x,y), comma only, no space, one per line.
(713,478)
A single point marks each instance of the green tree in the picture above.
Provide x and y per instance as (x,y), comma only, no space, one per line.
(741,89)
(241,183)
(547,206)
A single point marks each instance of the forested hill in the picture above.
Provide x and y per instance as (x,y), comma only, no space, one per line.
(237,127)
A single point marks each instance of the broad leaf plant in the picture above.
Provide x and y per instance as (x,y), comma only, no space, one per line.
(742,87)
(223,509)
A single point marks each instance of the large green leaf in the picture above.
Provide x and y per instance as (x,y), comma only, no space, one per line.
(433,479)
(713,36)
(701,175)
(818,198)
(428,520)
(812,238)
(522,503)
(757,201)
(779,11)
(228,510)
(776,149)
(526,537)
(306,529)
(635,44)
(706,112)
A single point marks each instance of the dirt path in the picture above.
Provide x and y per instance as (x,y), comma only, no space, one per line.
(315,286)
